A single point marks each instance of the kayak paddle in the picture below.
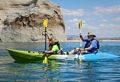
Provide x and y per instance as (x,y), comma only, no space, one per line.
(45,24)
(80,28)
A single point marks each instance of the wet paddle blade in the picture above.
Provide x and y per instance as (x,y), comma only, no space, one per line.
(45,61)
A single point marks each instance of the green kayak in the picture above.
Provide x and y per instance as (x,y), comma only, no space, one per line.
(20,55)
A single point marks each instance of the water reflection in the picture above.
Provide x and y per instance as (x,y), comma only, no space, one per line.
(51,72)
(30,71)
(78,71)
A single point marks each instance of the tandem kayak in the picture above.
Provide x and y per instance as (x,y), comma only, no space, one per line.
(20,55)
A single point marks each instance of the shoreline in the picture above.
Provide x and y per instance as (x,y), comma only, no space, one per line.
(99,40)
(65,41)
(109,40)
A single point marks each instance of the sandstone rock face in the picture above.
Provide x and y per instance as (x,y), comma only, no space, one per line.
(21,20)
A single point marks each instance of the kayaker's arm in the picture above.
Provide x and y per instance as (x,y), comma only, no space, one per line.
(86,49)
(81,37)
(89,48)
(54,49)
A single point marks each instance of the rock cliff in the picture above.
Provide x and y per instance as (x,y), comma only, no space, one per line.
(21,20)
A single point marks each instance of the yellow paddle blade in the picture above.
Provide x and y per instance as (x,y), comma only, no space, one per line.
(45,23)
(81,59)
(80,24)
(45,61)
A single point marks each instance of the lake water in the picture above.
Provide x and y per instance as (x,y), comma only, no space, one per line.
(67,71)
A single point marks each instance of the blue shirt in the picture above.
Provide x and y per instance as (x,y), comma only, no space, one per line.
(94,45)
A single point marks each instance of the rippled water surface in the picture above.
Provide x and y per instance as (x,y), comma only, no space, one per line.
(56,71)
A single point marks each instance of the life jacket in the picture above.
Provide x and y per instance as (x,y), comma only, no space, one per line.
(98,45)
(88,43)
(56,43)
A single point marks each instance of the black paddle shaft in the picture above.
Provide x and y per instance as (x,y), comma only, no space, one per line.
(45,38)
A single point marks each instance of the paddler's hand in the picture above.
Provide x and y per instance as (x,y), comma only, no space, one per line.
(80,35)
(45,52)
(82,49)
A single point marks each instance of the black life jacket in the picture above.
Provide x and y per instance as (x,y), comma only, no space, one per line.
(56,43)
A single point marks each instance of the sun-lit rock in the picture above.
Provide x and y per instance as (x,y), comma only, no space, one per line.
(21,20)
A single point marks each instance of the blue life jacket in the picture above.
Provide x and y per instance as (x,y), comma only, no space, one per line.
(88,43)
(98,45)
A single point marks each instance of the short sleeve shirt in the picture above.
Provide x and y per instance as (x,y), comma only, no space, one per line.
(94,43)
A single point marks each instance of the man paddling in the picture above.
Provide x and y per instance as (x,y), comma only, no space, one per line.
(91,46)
